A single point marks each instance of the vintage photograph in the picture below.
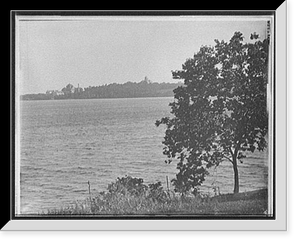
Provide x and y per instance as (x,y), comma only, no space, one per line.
(144,116)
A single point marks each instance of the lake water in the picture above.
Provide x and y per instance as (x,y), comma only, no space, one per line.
(66,143)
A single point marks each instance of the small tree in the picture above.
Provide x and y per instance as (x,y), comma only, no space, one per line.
(221,110)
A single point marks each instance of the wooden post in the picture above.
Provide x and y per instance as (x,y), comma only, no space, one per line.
(90,194)
(90,197)
(167,183)
(89,188)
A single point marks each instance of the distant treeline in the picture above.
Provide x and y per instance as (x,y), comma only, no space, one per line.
(145,88)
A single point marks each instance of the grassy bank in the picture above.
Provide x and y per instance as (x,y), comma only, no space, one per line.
(129,196)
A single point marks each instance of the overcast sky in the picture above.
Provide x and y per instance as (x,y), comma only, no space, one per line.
(97,51)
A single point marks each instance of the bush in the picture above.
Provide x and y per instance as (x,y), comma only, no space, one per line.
(157,193)
(128,185)
(129,195)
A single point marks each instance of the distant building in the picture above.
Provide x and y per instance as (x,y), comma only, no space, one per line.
(59,93)
(54,93)
(49,92)
(77,89)
(146,80)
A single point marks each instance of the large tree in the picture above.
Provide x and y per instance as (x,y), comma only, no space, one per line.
(221,110)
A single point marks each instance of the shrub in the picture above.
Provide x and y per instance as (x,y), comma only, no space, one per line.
(128,185)
(157,193)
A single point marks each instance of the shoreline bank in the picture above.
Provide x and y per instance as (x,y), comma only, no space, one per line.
(252,203)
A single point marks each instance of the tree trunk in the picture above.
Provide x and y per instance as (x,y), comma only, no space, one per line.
(236,176)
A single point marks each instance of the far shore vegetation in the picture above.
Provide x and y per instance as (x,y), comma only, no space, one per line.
(144,88)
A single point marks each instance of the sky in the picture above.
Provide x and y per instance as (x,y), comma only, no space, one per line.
(97,51)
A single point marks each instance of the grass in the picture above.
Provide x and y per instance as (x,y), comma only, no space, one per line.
(129,196)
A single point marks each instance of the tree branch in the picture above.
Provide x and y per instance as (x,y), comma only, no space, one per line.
(231,152)
(237,148)
(228,158)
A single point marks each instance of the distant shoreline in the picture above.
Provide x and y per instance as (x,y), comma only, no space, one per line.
(96,98)
(145,88)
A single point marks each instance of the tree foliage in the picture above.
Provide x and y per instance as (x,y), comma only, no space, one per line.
(221,110)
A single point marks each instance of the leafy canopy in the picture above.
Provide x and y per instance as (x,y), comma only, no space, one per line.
(221,110)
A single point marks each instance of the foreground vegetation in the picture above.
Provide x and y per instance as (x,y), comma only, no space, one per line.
(130,196)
